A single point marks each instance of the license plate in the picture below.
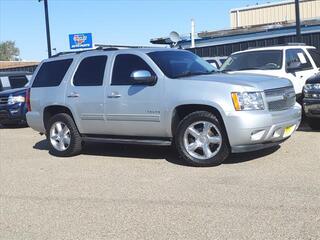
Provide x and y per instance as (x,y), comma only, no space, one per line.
(288,131)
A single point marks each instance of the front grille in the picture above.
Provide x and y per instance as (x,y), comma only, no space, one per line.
(3,100)
(279,99)
(4,115)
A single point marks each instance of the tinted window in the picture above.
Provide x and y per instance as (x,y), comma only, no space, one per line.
(90,71)
(261,60)
(51,74)
(315,54)
(175,64)
(18,81)
(297,56)
(124,65)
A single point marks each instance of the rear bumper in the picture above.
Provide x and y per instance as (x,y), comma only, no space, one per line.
(34,120)
(311,107)
(251,131)
(13,113)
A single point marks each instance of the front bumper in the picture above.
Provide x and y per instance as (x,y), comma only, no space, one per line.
(13,113)
(255,130)
(311,107)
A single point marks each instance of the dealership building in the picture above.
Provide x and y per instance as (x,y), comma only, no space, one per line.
(256,26)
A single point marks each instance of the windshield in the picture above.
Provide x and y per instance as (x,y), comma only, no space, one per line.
(261,60)
(175,64)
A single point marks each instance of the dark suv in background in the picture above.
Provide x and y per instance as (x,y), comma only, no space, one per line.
(13,95)
(311,101)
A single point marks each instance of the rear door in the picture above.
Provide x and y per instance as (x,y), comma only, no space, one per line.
(132,109)
(85,94)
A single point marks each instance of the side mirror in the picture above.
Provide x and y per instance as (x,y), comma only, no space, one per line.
(294,67)
(143,77)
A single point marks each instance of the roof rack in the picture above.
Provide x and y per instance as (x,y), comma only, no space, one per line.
(280,45)
(102,47)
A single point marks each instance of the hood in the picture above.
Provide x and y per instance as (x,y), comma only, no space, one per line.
(260,82)
(314,79)
(15,91)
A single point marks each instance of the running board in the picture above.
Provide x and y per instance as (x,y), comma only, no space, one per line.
(154,142)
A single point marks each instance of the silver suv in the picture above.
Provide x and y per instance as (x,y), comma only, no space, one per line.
(158,97)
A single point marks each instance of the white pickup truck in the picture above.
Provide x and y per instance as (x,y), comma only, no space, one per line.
(295,62)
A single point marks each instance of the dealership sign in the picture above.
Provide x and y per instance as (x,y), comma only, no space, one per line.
(80,40)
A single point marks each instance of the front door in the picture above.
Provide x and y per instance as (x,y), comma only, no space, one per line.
(306,69)
(132,109)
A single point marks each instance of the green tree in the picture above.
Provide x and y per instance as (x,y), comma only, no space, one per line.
(8,51)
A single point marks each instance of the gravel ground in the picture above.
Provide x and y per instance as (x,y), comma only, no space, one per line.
(134,192)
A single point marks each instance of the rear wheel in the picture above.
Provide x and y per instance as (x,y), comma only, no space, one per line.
(201,140)
(314,123)
(63,136)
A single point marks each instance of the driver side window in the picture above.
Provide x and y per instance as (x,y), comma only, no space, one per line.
(124,65)
(294,56)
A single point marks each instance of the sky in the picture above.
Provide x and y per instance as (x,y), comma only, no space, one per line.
(127,22)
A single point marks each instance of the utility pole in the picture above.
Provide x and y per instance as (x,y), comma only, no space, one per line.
(45,2)
(298,26)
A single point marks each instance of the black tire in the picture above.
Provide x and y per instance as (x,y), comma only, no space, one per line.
(314,123)
(75,145)
(194,117)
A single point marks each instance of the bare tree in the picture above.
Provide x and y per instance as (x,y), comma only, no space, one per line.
(8,51)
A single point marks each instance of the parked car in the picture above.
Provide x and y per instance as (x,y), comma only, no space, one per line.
(295,62)
(13,92)
(12,80)
(158,97)
(311,101)
(215,61)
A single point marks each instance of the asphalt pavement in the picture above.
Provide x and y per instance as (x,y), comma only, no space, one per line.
(135,192)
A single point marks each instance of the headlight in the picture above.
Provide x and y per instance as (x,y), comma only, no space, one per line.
(16,99)
(247,101)
(315,86)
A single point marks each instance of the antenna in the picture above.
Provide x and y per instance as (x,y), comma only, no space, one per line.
(174,37)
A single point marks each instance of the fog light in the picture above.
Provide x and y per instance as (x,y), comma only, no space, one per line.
(278,133)
(257,135)
(14,111)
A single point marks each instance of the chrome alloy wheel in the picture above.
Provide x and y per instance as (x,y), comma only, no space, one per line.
(60,137)
(202,140)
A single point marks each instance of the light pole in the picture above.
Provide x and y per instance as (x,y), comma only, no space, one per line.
(45,2)
(298,26)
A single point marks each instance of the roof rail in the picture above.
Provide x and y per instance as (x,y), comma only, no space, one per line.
(280,45)
(120,46)
(81,51)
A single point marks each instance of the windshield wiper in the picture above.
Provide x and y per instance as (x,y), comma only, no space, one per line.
(189,73)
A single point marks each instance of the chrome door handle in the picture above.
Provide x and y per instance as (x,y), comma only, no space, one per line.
(114,95)
(73,95)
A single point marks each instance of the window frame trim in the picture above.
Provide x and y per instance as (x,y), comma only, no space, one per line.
(140,55)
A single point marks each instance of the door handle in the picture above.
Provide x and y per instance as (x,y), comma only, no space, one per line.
(114,95)
(73,95)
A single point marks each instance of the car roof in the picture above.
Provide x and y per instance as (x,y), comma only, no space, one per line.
(274,48)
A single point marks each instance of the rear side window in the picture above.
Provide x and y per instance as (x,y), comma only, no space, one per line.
(298,56)
(90,71)
(51,74)
(124,65)
(315,54)
(18,81)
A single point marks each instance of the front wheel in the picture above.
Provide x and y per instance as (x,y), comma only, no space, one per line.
(201,140)
(63,136)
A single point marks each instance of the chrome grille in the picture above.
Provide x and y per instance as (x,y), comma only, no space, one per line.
(279,99)
(3,100)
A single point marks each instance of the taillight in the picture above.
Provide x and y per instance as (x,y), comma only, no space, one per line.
(28,99)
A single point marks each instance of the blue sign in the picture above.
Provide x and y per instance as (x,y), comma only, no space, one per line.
(80,40)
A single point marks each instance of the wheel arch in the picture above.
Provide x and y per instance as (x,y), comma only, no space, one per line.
(183,110)
(52,110)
